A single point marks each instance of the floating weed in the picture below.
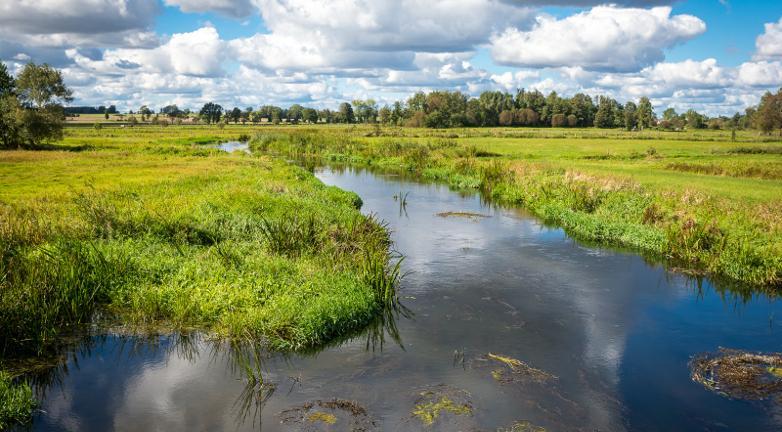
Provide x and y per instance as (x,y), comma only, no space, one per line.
(432,403)
(739,374)
(522,426)
(323,414)
(429,412)
(515,370)
(322,417)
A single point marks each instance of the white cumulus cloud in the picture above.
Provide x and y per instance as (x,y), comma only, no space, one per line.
(603,38)
(769,44)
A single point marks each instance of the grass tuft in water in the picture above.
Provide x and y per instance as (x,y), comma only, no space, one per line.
(16,402)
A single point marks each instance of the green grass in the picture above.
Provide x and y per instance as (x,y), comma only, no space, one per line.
(697,200)
(16,402)
(241,246)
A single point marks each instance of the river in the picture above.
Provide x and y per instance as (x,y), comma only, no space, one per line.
(610,334)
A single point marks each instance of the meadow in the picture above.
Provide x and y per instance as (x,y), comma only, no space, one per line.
(703,202)
(155,229)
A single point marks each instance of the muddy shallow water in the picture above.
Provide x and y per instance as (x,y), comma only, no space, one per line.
(610,335)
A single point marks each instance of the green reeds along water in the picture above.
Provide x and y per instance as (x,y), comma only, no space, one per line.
(701,205)
(242,247)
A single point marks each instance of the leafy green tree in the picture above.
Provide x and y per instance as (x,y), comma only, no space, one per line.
(631,116)
(234,115)
(365,110)
(384,115)
(31,110)
(346,114)
(769,112)
(7,82)
(604,117)
(211,112)
(11,127)
(694,120)
(645,114)
(145,112)
(310,115)
(42,86)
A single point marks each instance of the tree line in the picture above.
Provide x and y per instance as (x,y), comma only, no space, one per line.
(32,112)
(445,109)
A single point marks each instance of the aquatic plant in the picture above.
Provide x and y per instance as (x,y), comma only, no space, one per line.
(432,403)
(16,402)
(739,374)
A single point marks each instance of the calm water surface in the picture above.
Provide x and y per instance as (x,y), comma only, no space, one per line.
(616,332)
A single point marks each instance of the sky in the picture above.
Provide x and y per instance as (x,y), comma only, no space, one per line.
(715,56)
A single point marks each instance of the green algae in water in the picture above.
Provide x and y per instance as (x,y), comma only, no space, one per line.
(322,417)
(430,411)
(523,426)
(516,370)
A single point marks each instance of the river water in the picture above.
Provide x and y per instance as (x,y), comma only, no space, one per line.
(610,334)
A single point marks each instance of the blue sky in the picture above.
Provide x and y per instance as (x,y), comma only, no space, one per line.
(715,56)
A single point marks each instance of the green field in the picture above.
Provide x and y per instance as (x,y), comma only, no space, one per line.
(153,228)
(702,202)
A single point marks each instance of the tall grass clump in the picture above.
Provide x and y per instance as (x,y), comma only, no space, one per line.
(16,402)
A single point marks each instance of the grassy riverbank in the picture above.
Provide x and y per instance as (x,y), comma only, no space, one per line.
(174,235)
(703,202)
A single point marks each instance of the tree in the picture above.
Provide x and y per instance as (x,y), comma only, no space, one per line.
(631,115)
(694,120)
(10,121)
(505,118)
(234,115)
(7,83)
(31,111)
(365,110)
(769,112)
(605,117)
(42,86)
(295,113)
(145,112)
(172,111)
(645,113)
(211,112)
(558,120)
(345,114)
(309,115)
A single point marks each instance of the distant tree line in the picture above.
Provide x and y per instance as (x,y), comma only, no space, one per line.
(72,110)
(444,109)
